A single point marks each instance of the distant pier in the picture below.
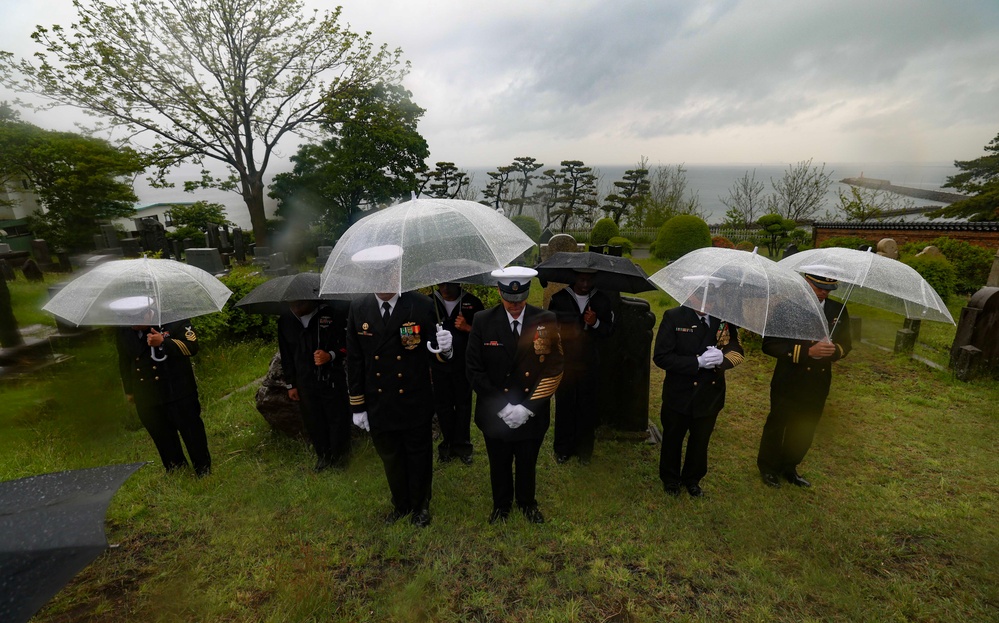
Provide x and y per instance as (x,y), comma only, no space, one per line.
(918,193)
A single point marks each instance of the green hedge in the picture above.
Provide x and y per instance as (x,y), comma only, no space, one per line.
(680,235)
(971,263)
(603,231)
(233,324)
(937,271)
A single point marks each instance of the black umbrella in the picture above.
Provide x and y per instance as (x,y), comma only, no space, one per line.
(51,527)
(274,295)
(618,274)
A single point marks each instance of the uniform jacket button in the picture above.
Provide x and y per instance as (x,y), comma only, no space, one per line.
(154,367)
(506,389)
(400,375)
(379,390)
(400,391)
(156,378)
(398,357)
(527,374)
(378,374)
(695,383)
(376,357)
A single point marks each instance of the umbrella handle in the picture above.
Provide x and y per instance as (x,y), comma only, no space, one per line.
(152,354)
(429,345)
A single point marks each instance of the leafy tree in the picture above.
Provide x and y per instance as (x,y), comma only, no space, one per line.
(529,225)
(872,204)
(744,201)
(980,179)
(223,80)
(776,232)
(632,189)
(498,190)
(199,214)
(445,181)
(79,181)
(668,197)
(577,194)
(524,166)
(370,158)
(800,193)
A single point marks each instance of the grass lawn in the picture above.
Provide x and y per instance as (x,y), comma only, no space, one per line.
(899,525)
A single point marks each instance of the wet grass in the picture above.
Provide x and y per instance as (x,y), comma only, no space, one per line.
(900,524)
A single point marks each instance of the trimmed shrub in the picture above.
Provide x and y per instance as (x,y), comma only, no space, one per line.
(745,245)
(620,241)
(971,263)
(529,225)
(722,242)
(232,323)
(680,235)
(937,271)
(603,231)
(849,242)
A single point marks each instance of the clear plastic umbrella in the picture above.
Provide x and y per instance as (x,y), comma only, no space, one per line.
(873,280)
(747,290)
(118,292)
(441,240)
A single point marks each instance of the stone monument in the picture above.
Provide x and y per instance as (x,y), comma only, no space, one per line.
(273,403)
(975,350)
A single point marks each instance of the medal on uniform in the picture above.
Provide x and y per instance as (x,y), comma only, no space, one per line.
(722,336)
(409,335)
(364,327)
(542,345)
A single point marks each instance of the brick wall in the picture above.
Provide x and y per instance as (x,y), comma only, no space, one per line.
(984,235)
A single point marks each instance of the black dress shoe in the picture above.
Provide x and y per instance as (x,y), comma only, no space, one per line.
(695,491)
(420,519)
(672,489)
(533,515)
(499,514)
(395,515)
(770,480)
(561,459)
(465,460)
(796,480)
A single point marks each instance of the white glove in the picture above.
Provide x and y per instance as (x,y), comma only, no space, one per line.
(444,339)
(518,416)
(505,412)
(361,420)
(712,357)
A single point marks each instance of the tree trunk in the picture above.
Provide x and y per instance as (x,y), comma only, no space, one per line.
(254,198)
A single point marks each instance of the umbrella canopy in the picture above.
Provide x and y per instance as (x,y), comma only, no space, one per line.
(873,280)
(612,273)
(440,240)
(274,295)
(119,292)
(747,290)
(51,527)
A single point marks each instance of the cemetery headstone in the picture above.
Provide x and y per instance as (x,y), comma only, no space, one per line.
(979,327)
(208,260)
(238,245)
(273,403)
(993,281)
(40,252)
(213,236)
(278,266)
(99,242)
(888,248)
(110,237)
(323,255)
(31,271)
(130,247)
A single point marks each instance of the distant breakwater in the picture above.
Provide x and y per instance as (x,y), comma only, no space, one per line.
(919,193)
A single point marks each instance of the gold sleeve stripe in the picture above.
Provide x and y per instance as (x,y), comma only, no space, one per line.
(183,347)
(840,349)
(546,388)
(735,358)
(797,353)
(356,400)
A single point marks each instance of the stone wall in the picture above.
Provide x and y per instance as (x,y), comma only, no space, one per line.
(985,234)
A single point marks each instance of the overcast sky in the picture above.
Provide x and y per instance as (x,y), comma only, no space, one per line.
(753,81)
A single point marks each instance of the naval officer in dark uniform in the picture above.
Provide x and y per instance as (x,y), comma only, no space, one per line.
(388,377)
(695,350)
(514,363)
(799,388)
(452,393)
(312,338)
(585,317)
(156,374)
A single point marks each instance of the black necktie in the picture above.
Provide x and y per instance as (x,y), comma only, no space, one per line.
(386,311)
(515,330)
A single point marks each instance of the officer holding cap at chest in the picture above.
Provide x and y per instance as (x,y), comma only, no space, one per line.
(514,363)
(388,380)
(799,387)
(156,373)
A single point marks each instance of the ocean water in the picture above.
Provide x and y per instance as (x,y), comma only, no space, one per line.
(711,183)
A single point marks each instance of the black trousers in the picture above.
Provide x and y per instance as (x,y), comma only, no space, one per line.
(168,423)
(788,432)
(453,404)
(408,457)
(676,426)
(503,457)
(327,419)
(576,413)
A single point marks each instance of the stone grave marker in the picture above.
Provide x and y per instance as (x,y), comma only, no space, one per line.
(238,245)
(888,248)
(130,247)
(978,327)
(31,271)
(207,259)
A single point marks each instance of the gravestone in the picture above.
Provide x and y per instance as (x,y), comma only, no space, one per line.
(99,243)
(43,257)
(789,250)
(212,236)
(238,245)
(153,236)
(31,271)
(274,405)
(278,266)
(625,369)
(110,237)
(615,250)
(208,260)
(224,238)
(262,256)
(993,281)
(177,248)
(130,247)
(888,248)
(187,243)
(546,235)
(906,337)
(978,327)
(323,255)
(931,251)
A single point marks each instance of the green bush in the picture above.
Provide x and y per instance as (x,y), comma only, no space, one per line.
(529,225)
(937,271)
(745,245)
(233,324)
(620,241)
(971,263)
(680,235)
(603,231)
(848,242)
(187,231)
